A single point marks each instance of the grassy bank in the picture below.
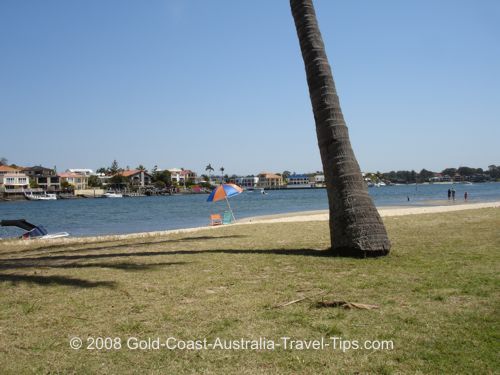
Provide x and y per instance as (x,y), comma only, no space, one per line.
(437,297)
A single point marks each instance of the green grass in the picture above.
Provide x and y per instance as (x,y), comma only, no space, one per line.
(437,292)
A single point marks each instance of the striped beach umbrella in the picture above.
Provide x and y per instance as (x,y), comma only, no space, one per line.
(224,191)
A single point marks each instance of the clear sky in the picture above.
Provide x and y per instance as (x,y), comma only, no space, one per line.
(184,83)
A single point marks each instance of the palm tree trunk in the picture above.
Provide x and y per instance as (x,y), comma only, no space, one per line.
(356,228)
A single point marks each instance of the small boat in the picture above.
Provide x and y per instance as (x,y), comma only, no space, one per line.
(33,231)
(111,194)
(40,197)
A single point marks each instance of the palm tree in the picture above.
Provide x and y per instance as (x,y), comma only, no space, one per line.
(222,174)
(209,169)
(356,228)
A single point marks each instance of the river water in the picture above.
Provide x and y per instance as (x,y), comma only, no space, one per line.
(90,217)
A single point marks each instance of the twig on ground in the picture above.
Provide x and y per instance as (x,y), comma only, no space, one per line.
(299,299)
(346,305)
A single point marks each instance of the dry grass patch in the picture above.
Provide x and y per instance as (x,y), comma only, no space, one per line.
(437,295)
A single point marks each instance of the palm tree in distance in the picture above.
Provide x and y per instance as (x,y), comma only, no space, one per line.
(356,228)
(209,169)
(222,175)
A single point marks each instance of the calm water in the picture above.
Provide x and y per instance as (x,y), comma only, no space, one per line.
(87,217)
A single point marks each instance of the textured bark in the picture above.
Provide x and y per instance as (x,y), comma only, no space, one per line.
(356,228)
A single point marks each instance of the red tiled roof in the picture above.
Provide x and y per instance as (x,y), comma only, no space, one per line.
(131,172)
(6,168)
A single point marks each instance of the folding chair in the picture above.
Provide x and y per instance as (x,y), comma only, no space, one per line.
(227,218)
(215,219)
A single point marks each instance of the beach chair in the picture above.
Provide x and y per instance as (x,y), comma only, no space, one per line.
(227,218)
(215,219)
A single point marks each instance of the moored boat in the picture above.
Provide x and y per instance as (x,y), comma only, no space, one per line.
(40,197)
(111,194)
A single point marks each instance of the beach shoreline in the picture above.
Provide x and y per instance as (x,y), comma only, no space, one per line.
(300,216)
(385,211)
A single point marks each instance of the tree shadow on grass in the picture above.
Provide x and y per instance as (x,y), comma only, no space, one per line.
(84,247)
(55,280)
(301,252)
(70,281)
(119,266)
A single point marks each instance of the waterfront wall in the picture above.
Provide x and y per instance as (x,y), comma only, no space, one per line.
(89,192)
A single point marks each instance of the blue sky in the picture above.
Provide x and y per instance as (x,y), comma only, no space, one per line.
(184,83)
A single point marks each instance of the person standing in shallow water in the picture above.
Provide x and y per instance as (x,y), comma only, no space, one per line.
(449,194)
(465,196)
(453,193)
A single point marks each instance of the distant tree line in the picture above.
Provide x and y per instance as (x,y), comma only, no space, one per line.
(160,179)
(493,173)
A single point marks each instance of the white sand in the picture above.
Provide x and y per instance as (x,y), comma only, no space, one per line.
(384,212)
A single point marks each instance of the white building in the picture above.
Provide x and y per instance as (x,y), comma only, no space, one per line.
(82,171)
(319,180)
(77,180)
(182,176)
(248,182)
(14,182)
(299,181)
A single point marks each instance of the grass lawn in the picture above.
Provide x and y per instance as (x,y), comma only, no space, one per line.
(437,293)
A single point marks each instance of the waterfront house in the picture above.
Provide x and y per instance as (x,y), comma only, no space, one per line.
(45,178)
(248,182)
(296,181)
(5,169)
(319,180)
(188,176)
(182,176)
(103,178)
(77,180)
(84,171)
(269,180)
(439,177)
(216,180)
(136,177)
(13,183)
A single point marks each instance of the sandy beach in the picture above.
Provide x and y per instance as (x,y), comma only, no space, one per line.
(384,212)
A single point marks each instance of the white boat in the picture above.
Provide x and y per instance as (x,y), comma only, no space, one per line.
(33,231)
(40,197)
(111,194)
